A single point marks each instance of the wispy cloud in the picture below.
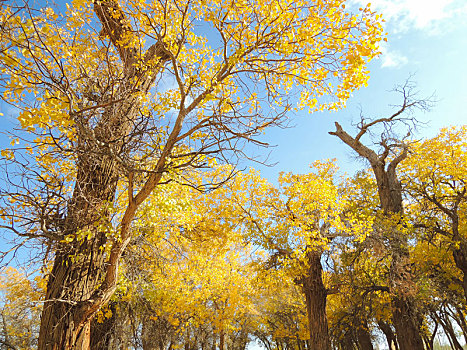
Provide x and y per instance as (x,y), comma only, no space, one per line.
(392,58)
(429,15)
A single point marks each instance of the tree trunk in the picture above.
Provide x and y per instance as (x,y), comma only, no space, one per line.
(147,334)
(221,340)
(214,341)
(406,324)
(460,319)
(315,295)
(78,267)
(390,195)
(390,337)
(429,339)
(460,258)
(80,283)
(364,338)
(405,317)
(70,284)
(433,335)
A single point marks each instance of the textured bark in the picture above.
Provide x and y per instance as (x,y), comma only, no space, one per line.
(315,295)
(78,267)
(404,312)
(405,323)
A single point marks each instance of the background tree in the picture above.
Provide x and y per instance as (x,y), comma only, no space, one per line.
(187,270)
(20,309)
(360,266)
(116,98)
(435,178)
(296,223)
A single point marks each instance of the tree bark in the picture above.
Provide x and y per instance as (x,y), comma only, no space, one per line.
(404,312)
(78,266)
(315,295)
(405,322)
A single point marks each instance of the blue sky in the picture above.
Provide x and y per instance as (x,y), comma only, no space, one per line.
(427,38)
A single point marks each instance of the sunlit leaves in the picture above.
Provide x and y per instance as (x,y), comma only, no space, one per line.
(20,299)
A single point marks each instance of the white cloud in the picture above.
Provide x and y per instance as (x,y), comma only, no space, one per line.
(392,59)
(429,15)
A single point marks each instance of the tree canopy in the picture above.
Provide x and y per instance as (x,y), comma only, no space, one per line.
(132,117)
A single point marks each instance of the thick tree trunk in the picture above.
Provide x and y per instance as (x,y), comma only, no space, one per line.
(406,324)
(80,283)
(315,295)
(78,265)
(70,284)
(405,317)
(364,338)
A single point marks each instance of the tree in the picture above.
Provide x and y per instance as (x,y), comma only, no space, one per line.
(187,272)
(392,152)
(436,179)
(116,98)
(360,269)
(296,223)
(282,317)
(311,218)
(199,278)
(20,300)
